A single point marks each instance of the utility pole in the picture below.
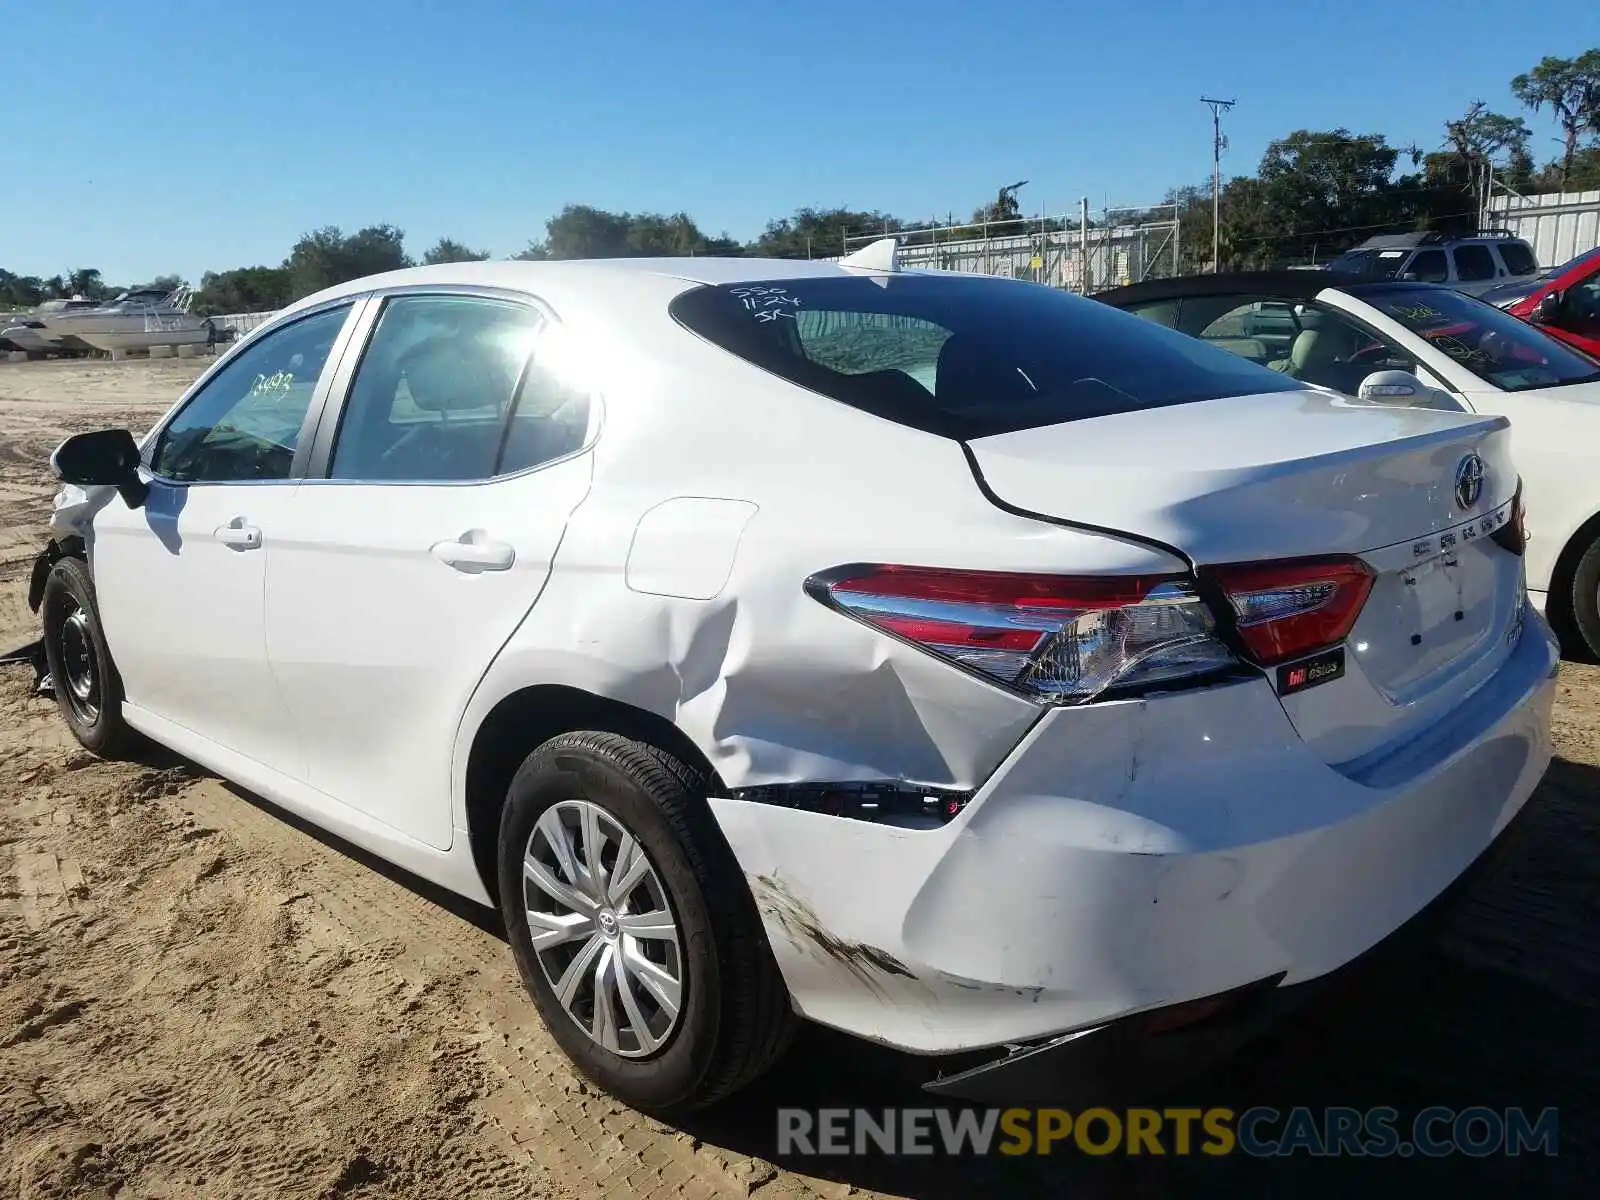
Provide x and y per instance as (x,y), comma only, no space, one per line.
(1218,107)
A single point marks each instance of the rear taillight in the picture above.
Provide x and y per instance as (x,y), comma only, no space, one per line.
(1063,639)
(1513,535)
(1288,609)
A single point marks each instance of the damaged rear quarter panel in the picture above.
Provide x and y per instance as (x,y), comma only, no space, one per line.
(772,686)
(775,688)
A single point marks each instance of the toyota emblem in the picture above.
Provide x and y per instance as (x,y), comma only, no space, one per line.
(1469,480)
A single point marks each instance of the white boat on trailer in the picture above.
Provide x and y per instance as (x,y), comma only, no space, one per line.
(135,320)
(32,331)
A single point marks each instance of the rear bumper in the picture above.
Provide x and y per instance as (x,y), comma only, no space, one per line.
(1136,1059)
(1133,856)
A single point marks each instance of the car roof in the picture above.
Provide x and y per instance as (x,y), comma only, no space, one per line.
(1428,238)
(588,273)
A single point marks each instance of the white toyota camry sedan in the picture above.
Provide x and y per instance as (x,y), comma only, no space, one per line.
(950,660)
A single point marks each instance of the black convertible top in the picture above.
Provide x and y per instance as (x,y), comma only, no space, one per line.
(1294,285)
(1288,285)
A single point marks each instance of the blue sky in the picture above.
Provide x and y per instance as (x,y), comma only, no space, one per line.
(180,137)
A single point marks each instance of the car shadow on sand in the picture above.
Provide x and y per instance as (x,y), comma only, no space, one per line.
(1498,1008)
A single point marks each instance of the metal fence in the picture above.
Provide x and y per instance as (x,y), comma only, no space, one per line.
(243,322)
(1560,225)
(1117,247)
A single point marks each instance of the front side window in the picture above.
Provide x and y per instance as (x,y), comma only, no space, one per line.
(1487,341)
(1580,308)
(1428,266)
(245,423)
(445,392)
(1473,263)
(964,356)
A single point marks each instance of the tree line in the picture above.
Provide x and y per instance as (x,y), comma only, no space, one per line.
(1313,194)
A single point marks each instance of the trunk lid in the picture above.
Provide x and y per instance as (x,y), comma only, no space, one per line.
(1260,478)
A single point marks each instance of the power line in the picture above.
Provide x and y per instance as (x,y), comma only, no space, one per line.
(1218,107)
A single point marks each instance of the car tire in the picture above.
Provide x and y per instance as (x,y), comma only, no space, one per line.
(87,688)
(733,1017)
(1585,601)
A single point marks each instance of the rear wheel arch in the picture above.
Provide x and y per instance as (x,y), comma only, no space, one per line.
(1560,600)
(523,721)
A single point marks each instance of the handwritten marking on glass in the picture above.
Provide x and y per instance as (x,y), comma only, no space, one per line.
(1416,312)
(767,304)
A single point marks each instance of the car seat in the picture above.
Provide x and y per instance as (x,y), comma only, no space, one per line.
(1320,355)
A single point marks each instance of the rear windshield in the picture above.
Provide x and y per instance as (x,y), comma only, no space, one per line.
(964,356)
(1486,340)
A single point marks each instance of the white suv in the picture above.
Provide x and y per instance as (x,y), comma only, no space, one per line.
(951,660)
(1468,264)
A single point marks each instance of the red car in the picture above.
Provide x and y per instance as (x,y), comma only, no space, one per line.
(1564,301)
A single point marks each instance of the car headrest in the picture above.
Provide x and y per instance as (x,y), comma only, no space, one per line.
(968,367)
(453,373)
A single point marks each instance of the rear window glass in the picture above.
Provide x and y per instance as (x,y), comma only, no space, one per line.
(1518,258)
(964,356)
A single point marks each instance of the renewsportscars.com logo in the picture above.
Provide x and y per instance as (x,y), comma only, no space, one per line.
(1259,1132)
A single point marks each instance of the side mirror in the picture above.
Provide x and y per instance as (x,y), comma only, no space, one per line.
(1547,310)
(104,457)
(1390,387)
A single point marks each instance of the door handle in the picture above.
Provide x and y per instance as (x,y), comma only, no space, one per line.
(475,551)
(239,534)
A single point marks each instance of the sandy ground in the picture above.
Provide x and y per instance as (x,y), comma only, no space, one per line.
(200,997)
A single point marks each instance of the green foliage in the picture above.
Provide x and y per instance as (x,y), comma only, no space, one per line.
(819,232)
(86,282)
(1570,88)
(328,256)
(580,231)
(21,291)
(448,250)
(1582,176)
(244,289)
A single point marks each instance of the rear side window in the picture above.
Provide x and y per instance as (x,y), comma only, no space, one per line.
(1428,266)
(964,356)
(1473,263)
(451,389)
(1518,258)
